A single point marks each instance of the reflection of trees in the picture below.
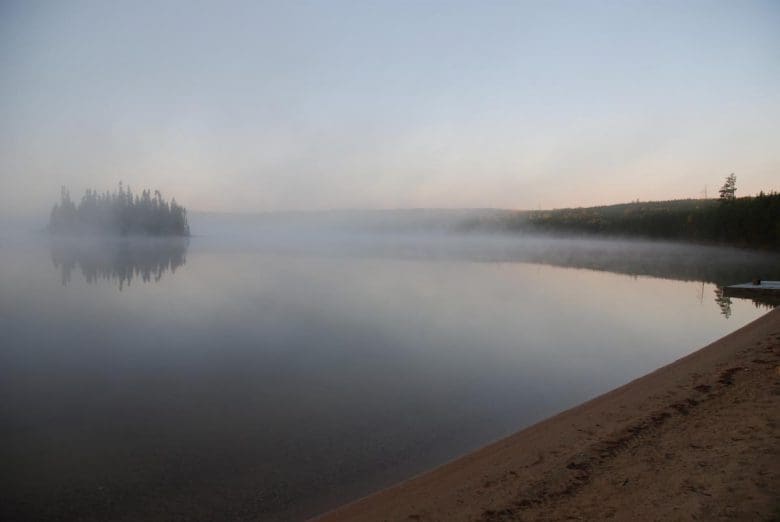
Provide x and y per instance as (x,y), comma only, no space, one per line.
(721,267)
(760,299)
(119,260)
(678,261)
(723,301)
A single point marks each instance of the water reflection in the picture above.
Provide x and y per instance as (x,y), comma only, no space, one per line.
(724,295)
(122,260)
(276,380)
(118,260)
(719,266)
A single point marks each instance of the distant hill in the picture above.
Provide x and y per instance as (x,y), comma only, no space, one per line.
(752,221)
(416,220)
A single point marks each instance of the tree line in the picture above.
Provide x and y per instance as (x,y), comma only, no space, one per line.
(119,213)
(750,221)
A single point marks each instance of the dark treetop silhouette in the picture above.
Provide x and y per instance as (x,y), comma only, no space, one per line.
(119,213)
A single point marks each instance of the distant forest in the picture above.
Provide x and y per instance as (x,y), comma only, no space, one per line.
(119,213)
(751,221)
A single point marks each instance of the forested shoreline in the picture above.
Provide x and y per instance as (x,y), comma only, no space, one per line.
(118,213)
(750,221)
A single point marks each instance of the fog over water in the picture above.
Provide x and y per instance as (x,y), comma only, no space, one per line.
(275,371)
(274,364)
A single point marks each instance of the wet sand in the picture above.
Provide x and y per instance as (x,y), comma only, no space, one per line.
(697,439)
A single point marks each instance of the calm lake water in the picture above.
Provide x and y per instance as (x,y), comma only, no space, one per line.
(271,378)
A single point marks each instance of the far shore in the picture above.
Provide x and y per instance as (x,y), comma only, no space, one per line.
(696,439)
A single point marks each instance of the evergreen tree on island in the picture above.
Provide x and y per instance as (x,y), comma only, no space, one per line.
(119,213)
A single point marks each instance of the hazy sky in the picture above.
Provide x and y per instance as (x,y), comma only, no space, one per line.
(255,106)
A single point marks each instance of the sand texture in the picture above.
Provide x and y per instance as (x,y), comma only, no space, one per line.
(695,440)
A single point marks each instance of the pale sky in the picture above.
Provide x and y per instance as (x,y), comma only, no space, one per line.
(259,106)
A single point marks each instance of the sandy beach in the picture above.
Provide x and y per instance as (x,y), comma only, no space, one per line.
(697,439)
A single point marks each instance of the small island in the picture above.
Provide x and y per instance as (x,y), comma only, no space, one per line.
(118,213)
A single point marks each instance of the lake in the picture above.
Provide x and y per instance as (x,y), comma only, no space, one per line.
(275,376)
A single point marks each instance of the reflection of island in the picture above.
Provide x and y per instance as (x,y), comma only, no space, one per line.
(119,260)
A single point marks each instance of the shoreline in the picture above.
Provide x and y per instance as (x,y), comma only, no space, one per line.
(695,438)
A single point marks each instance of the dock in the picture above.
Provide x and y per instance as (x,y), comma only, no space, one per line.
(755,290)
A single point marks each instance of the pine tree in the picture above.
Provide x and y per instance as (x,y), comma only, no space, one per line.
(728,191)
